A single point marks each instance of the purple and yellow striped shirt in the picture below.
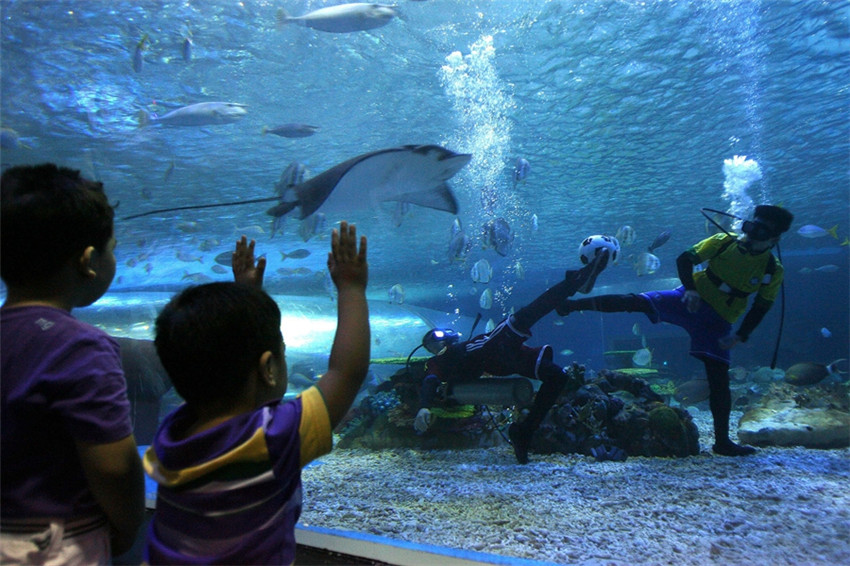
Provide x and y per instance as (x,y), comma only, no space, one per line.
(232,494)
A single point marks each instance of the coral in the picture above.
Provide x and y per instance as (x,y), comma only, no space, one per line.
(667,388)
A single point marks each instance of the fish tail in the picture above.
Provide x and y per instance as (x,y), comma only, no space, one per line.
(846,241)
(282,18)
(142,42)
(833,231)
(833,367)
(265,130)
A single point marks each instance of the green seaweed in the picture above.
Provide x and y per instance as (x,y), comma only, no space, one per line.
(638,372)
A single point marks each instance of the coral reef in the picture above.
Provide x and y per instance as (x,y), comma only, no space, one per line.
(613,416)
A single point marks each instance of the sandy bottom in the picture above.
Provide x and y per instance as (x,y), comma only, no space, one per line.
(780,506)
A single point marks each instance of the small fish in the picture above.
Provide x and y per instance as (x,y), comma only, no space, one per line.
(809,373)
(646,264)
(490,326)
(521,170)
(138,60)
(311,226)
(642,357)
(285,271)
(497,234)
(481,271)
(636,329)
(535,223)
(253,230)
(805,270)
(196,278)
(344,18)
(812,231)
(188,258)
(485,301)
(131,262)
(209,244)
(291,176)
(828,268)
(626,235)
(692,392)
(566,352)
(396,294)
(225,259)
(200,114)
(300,253)
(148,268)
(825,332)
(459,243)
(659,240)
(220,269)
(292,130)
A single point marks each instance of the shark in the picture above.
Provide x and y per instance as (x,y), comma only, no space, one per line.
(414,174)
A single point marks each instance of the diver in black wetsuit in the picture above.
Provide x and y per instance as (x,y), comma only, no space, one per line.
(502,351)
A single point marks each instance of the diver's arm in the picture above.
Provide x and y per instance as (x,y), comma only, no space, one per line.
(753,317)
(685,265)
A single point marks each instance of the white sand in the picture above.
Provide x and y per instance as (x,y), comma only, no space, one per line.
(780,506)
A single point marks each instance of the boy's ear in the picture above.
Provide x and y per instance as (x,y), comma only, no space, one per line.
(265,369)
(86,263)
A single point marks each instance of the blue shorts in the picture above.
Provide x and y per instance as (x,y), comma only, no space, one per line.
(705,327)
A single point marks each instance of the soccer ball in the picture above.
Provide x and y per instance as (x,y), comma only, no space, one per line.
(588,247)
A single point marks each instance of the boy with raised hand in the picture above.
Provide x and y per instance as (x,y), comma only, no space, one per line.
(228,462)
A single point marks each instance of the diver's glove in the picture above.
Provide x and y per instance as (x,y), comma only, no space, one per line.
(423,420)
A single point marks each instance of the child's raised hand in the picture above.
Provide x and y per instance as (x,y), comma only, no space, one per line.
(244,269)
(346,264)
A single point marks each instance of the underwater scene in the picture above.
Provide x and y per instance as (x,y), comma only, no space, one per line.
(476,144)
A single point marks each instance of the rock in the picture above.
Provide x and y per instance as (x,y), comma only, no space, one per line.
(784,423)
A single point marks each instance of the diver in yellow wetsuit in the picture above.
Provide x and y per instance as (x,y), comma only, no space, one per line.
(709,301)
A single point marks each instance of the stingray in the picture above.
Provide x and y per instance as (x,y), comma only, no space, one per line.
(415,174)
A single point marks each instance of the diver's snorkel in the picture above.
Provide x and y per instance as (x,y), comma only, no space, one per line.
(781,288)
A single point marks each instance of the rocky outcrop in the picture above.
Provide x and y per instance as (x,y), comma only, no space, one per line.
(815,417)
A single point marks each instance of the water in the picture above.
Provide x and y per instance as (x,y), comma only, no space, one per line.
(625,110)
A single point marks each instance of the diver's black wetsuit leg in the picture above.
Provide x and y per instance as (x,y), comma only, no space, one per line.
(607,303)
(720,403)
(527,316)
(574,281)
(554,378)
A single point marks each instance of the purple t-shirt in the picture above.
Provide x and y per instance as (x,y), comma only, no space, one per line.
(61,380)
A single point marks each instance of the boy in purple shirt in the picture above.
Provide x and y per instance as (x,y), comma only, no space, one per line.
(228,462)
(72,482)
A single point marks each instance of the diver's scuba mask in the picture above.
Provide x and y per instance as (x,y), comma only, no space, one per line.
(757,230)
(437,340)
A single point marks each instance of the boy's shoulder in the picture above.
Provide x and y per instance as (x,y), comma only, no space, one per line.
(50,323)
